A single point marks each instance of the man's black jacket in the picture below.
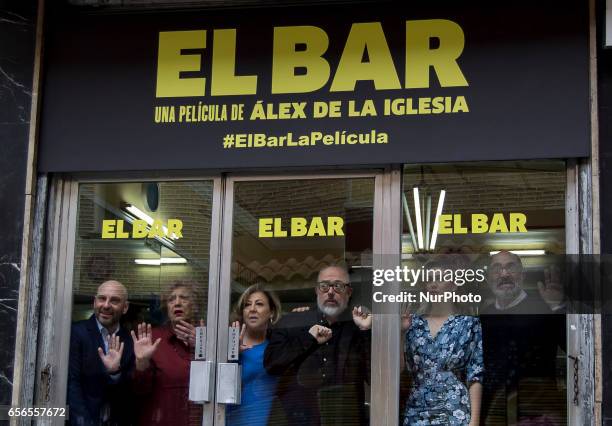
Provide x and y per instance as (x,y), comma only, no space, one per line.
(320,384)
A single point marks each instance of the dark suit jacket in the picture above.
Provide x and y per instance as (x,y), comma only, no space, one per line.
(89,385)
(314,389)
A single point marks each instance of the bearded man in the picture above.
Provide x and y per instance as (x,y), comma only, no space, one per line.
(322,357)
(521,338)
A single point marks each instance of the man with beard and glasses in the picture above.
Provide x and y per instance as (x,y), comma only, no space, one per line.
(520,341)
(322,356)
(101,362)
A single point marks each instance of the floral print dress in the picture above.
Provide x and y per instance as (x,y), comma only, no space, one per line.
(442,367)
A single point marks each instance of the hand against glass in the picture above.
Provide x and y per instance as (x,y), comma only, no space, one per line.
(320,333)
(186,332)
(112,358)
(144,348)
(301,309)
(242,345)
(551,290)
(362,318)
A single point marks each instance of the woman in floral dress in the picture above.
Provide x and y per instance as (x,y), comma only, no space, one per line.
(443,354)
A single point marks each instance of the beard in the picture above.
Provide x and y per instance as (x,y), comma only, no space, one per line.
(507,293)
(333,311)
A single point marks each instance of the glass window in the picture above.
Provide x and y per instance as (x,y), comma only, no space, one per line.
(301,261)
(140,287)
(501,357)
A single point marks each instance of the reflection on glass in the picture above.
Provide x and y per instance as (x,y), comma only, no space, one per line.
(309,242)
(500,218)
(144,264)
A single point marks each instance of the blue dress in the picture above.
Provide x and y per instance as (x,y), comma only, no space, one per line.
(440,367)
(258,390)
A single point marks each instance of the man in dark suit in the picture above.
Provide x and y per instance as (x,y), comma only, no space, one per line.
(101,360)
(322,357)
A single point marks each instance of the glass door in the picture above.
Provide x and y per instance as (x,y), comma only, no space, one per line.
(294,302)
(144,289)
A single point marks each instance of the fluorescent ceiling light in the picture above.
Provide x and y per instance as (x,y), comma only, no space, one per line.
(417,210)
(434,234)
(139,213)
(162,261)
(522,252)
(136,212)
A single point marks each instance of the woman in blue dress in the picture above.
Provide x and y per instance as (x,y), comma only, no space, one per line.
(256,309)
(443,355)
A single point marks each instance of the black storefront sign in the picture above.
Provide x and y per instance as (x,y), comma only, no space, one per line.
(402,82)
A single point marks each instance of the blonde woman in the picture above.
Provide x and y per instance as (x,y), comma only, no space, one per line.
(256,310)
(443,354)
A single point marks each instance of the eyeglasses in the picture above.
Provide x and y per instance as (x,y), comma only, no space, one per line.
(511,268)
(338,286)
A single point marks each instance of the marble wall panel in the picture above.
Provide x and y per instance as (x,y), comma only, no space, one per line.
(17,37)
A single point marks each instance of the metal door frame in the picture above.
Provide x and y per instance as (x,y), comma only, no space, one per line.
(383,201)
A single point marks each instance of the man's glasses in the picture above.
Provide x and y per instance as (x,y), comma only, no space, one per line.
(511,268)
(338,286)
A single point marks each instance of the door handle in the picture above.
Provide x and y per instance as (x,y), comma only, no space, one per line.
(201,381)
(229,378)
(200,371)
